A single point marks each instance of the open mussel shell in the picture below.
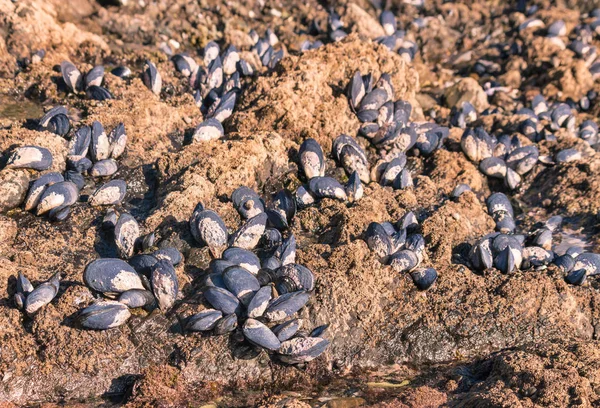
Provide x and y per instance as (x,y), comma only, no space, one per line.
(95,76)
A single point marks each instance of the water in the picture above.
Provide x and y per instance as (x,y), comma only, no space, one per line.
(11,108)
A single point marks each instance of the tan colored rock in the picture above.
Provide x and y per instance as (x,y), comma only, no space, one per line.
(467,89)
(362,22)
(13,188)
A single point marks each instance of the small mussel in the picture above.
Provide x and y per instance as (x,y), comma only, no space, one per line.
(247,203)
(165,285)
(111,275)
(241,283)
(249,234)
(260,335)
(135,298)
(24,288)
(30,157)
(286,305)
(327,187)
(424,278)
(72,76)
(210,129)
(104,315)
(41,295)
(110,193)
(38,187)
(302,349)
(203,321)
(127,232)
(208,228)
(152,78)
(64,193)
(312,160)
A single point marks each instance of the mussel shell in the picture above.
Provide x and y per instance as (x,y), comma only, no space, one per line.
(302,349)
(211,231)
(71,75)
(242,257)
(286,305)
(241,283)
(260,335)
(223,300)
(135,298)
(104,315)
(165,285)
(111,275)
(30,157)
(127,231)
(100,145)
(259,302)
(38,187)
(64,193)
(210,129)
(327,187)
(287,330)
(110,193)
(249,234)
(247,203)
(203,321)
(378,240)
(226,324)
(312,160)
(424,278)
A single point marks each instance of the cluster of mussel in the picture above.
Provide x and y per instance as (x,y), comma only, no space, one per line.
(54,193)
(146,280)
(217,84)
(503,158)
(387,125)
(401,247)
(394,39)
(252,290)
(581,37)
(31,300)
(508,251)
(91,82)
